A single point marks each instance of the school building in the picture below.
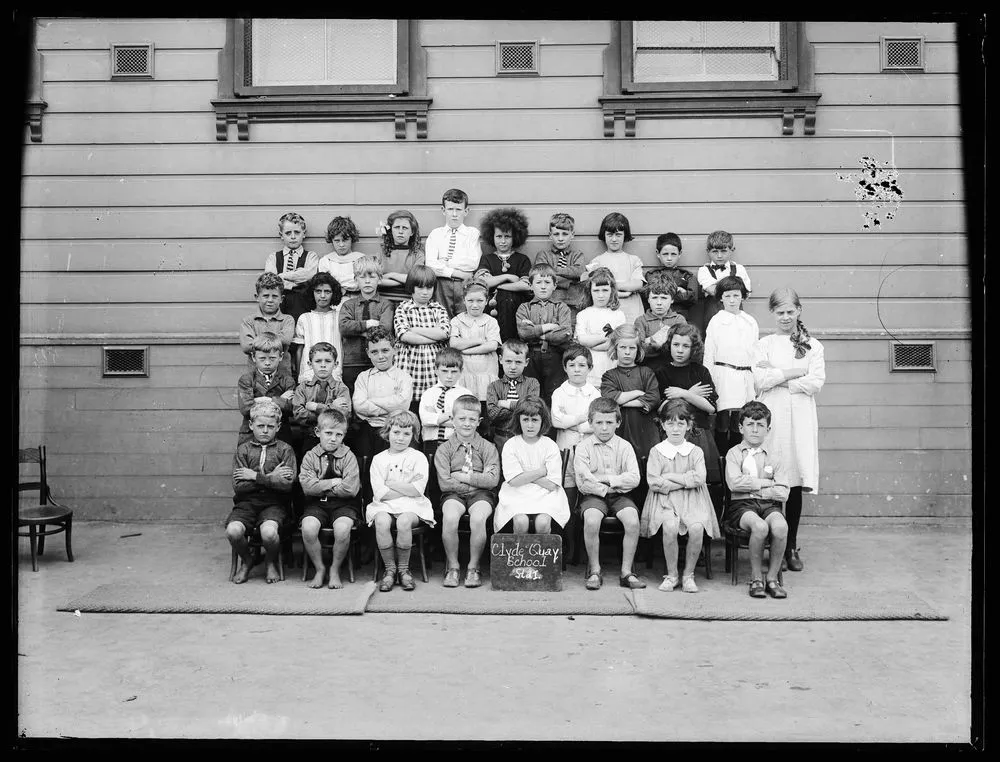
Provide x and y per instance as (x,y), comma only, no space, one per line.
(159,154)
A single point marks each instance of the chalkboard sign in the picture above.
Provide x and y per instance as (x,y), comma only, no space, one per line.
(526,562)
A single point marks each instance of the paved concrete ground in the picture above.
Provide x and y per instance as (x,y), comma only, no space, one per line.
(494,677)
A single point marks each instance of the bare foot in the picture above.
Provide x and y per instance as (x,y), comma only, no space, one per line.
(272,573)
(242,573)
(335,581)
(317,581)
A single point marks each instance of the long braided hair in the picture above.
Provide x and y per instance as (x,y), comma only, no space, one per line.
(799,336)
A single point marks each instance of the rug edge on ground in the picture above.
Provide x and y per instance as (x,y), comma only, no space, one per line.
(915,609)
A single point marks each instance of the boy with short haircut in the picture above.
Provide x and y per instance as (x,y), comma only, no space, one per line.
(453,251)
(720,252)
(293,264)
(668,252)
(331,480)
(468,470)
(318,324)
(316,395)
(267,381)
(654,325)
(358,314)
(503,394)
(758,485)
(437,401)
(263,472)
(546,326)
(268,319)
(606,472)
(561,255)
(379,391)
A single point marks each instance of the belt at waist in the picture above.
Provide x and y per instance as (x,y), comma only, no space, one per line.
(734,367)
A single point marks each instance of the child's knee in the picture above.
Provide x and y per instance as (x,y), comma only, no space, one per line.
(671,527)
(520,523)
(235,531)
(543,523)
(269,532)
(383,522)
(592,519)
(629,518)
(479,514)
(779,527)
(342,528)
(310,528)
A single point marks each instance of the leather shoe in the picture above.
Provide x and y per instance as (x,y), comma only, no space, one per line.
(793,560)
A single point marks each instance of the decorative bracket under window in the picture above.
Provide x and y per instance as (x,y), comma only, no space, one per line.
(398,109)
(348,107)
(787,106)
(33,118)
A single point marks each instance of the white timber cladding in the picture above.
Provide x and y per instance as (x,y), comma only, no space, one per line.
(140,228)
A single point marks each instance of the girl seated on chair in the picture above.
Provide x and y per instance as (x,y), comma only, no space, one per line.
(399,483)
(678,500)
(532,470)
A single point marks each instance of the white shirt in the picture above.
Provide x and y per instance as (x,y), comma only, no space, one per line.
(569,403)
(467,252)
(341,268)
(707,278)
(429,411)
(293,277)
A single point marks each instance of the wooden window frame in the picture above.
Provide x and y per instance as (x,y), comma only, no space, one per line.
(402,103)
(790,97)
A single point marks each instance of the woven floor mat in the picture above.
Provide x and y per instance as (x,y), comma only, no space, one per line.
(290,597)
(734,604)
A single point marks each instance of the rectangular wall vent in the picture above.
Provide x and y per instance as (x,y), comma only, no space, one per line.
(902,53)
(125,361)
(911,355)
(517,58)
(132,61)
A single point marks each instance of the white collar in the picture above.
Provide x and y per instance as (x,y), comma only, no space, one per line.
(579,391)
(669,450)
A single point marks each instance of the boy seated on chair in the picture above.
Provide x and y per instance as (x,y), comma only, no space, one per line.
(468,470)
(606,472)
(263,474)
(758,485)
(331,480)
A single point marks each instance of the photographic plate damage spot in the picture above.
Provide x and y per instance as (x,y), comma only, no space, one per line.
(876,187)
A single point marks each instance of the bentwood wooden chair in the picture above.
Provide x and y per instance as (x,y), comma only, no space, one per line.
(48,513)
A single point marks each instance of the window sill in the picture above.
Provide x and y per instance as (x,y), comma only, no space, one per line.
(787,106)
(398,109)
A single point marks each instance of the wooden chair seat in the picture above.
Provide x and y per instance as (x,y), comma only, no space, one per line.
(40,514)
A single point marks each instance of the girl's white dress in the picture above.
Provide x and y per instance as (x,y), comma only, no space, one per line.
(794,429)
(518,456)
(729,339)
(691,505)
(478,371)
(341,268)
(590,324)
(624,267)
(409,466)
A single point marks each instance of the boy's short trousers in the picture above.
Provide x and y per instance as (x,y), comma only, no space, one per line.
(762,508)
(330,511)
(468,499)
(252,515)
(612,503)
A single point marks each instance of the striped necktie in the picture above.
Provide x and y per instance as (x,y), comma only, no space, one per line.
(452,240)
(440,409)
(563,259)
(290,261)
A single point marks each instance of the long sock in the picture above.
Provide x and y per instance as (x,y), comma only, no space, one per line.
(403,556)
(388,558)
(793,512)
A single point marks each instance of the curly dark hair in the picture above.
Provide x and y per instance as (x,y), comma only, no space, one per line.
(342,226)
(507,219)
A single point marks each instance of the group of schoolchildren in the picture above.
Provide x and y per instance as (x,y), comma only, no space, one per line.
(478,357)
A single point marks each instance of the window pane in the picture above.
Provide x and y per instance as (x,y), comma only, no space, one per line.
(323,52)
(705,51)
